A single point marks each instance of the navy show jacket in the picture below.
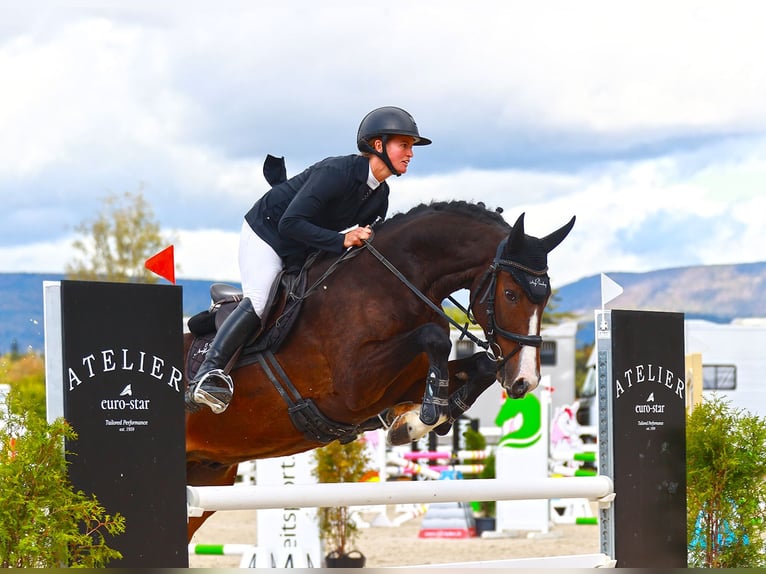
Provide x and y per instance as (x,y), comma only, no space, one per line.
(307,211)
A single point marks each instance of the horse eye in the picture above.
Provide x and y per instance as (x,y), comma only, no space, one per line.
(511,295)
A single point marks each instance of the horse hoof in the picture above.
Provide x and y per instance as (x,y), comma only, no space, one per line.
(443,428)
(408,427)
(399,433)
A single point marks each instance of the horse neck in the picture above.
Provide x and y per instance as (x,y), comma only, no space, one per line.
(441,259)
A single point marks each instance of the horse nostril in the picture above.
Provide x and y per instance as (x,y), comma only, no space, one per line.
(519,388)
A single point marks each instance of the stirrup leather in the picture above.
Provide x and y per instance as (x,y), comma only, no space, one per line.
(215,396)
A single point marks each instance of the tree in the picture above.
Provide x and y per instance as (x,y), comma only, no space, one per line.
(26,376)
(726,492)
(553,317)
(44,522)
(550,315)
(115,245)
(15,354)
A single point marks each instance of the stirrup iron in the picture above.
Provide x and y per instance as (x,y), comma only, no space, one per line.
(218,397)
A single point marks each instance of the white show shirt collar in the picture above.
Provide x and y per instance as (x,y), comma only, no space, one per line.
(371,181)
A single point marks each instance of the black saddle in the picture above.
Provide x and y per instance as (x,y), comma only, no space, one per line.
(282,309)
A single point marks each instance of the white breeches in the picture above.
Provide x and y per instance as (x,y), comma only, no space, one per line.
(258,267)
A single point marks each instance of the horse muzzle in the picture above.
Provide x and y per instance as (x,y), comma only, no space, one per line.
(521,376)
(518,388)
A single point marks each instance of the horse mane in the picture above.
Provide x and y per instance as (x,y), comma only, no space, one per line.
(472,210)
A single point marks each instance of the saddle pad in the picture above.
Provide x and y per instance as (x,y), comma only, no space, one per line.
(197,353)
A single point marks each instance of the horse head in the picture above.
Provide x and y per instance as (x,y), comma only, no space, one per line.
(513,304)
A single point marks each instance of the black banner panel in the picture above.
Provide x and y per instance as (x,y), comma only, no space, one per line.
(649,436)
(122,352)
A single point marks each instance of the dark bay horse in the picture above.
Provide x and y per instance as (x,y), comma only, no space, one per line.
(364,342)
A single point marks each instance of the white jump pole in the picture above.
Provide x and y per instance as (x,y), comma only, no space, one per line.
(201,498)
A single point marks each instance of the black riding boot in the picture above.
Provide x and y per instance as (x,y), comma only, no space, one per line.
(211,386)
(435,399)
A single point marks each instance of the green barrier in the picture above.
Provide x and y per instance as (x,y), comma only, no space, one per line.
(586,520)
(585,456)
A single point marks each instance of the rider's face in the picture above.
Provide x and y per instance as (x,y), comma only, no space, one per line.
(400,151)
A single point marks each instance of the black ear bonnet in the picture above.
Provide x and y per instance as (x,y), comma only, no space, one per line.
(528,268)
(526,258)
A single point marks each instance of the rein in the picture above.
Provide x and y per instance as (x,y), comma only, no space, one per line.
(490,275)
(390,266)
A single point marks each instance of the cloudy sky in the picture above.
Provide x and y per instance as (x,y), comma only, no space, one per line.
(645,119)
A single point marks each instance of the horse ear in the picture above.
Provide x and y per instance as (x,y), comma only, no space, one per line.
(516,237)
(551,241)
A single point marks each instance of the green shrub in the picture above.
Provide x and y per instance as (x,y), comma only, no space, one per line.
(726,492)
(43,521)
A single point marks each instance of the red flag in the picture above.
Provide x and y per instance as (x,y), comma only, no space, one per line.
(163,264)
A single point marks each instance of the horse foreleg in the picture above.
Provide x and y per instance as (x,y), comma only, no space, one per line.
(434,410)
(206,474)
(477,373)
(470,376)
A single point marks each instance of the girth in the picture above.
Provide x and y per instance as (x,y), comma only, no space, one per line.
(304,413)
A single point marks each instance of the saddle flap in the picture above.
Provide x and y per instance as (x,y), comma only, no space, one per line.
(283,305)
(223,292)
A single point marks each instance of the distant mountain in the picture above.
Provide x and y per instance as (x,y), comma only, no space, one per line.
(21,307)
(717,293)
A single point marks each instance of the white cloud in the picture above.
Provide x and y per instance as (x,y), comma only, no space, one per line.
(41,257)
(621,202)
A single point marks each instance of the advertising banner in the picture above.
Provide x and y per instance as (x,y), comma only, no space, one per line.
(120,349)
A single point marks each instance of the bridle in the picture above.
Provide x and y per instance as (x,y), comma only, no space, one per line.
(491,345)
(497,266)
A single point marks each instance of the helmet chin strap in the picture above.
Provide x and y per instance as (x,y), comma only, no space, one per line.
(382,155)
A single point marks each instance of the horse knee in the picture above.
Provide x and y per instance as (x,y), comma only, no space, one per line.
(435,341)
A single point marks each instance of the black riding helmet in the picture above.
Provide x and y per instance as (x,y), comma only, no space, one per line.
(384,122)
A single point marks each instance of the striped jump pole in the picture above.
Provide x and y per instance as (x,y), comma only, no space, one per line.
(579,456)
(445,455)
(202,498)
(462,468)
(414,468)
(570,471)
(219,549)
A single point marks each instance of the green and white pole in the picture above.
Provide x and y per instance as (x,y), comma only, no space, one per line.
(219,549)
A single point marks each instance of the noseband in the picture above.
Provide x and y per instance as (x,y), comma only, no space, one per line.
(490,345)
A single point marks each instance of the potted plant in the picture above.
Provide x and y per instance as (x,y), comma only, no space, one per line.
(486,520)
(484,509)
(338,462)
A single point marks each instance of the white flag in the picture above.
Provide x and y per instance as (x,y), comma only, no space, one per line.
(609,290)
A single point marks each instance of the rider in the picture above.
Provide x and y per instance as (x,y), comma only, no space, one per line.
(313,210)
